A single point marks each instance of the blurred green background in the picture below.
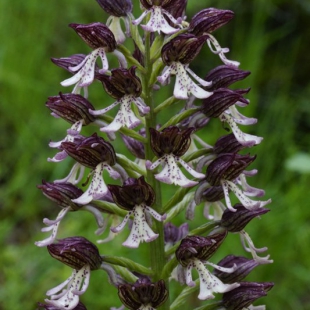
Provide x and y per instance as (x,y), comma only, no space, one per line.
(271,38)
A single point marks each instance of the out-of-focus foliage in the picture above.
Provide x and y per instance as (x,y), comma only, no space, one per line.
(269,38)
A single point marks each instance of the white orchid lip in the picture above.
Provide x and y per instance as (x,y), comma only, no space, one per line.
(184,85)
(76,285)
(125,117)
(171,173)
(140,231)
(158,22)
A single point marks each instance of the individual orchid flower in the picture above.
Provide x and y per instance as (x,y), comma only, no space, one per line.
(96,153)
(225,171)
(143,294)
(169,145)
(100,38)
(81,255)
(73,108)
(193,252)
(118,10)
(222,104)
(235,221)
(243,296)
(205,22)
(137,197)
(125,87)
(176,55)
(158,21)
(63,194)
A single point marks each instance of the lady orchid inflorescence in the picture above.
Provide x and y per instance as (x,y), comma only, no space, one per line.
(168,173)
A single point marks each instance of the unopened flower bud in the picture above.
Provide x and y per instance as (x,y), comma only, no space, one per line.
(243,267)
(143,294)
(208,20)
(223,76)
(62,194)
(227,167)
(68,62)
(227,144)
(183,48)
(219,101)
(236,221)
(76,252)
(134,146)
(244,295)
(116,8)
(71,107)
(133,192)
(96,35)
(198,247)
(122,82)
(173,234)
(91,151)
(171,140)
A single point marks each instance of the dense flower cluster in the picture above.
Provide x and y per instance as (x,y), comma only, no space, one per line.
(165,151)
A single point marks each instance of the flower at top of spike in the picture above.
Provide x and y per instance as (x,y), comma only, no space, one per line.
(136,196)
(158,21)
(118,10)
(125,86)
(82,256)
(143,295)
(101,39)
(176,55)
(169,145)
(96,35)
(208,20)
(193,252)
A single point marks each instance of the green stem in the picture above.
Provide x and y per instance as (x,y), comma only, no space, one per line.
(157,247)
